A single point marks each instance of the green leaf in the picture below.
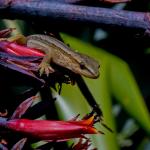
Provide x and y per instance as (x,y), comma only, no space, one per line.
(126,91)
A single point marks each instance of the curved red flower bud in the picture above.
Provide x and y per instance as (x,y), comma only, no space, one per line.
(53,130)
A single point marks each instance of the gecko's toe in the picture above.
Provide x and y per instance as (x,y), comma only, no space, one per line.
(49,70)
(45,68)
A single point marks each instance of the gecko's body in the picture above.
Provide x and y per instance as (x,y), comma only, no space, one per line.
(62,55)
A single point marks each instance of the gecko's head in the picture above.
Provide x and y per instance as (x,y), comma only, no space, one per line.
(88,67)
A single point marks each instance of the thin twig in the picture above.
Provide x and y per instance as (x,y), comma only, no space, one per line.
(54,11)
(89,97)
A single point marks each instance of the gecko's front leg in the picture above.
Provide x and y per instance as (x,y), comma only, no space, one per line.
(44,67)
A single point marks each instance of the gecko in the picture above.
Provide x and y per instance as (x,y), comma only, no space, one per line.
(61,54)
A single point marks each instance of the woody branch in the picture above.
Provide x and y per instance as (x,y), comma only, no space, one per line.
(55,11)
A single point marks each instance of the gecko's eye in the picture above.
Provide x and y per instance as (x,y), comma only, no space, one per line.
(82,66)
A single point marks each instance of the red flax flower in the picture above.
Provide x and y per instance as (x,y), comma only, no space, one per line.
(52,130)
(47,130)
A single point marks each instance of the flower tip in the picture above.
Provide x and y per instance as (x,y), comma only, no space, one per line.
(89,121)
(95,131)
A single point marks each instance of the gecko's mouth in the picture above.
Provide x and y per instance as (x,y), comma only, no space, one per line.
(90,74)
(94,76)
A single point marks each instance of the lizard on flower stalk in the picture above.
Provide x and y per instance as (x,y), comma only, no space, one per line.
(60,54)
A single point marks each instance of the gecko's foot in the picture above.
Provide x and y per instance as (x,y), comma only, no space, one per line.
(45,68)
